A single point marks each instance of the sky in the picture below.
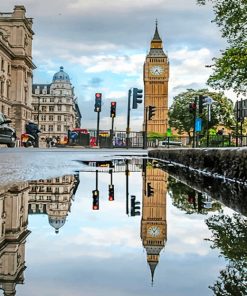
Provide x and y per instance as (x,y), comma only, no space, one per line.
(102,45)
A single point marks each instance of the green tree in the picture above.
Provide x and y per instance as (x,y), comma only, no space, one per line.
(229,70)
(221,111)
(229,235)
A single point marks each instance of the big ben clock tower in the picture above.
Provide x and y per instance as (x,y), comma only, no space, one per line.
(153,222)
(155,76)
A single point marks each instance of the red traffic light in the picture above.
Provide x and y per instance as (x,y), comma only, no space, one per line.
(95,207)
(113,109)
(111,198)
(98,95)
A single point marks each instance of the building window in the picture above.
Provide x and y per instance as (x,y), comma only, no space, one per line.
(43,117)
(2,88)
(59,128)
(65,128)
(59,108)
(50,128)
(35,118)
(59,118)
(51,108)
(51,118)
(43,108)
(51,100)
(43,128)
(48,189)
(44,100)
(2,64)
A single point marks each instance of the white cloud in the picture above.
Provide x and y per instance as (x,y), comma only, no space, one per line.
(128,65)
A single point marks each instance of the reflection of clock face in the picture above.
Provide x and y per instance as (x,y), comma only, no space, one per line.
(154,231)
(156,70)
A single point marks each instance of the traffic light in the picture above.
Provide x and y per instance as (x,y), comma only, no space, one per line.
(192,107)
(137,95)
(111,193)
(151,112)
(113,109)
(135,206)
(97,105)
(95,199)
(150,190)
(202,102)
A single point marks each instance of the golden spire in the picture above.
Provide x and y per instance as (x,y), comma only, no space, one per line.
(156,42)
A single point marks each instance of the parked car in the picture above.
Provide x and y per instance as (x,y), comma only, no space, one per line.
(168,142)
(7,133)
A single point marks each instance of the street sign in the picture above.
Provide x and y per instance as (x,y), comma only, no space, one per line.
(198,125)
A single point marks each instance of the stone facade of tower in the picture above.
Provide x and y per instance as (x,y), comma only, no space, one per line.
(55,106)
(155,76)
(16,67)
(153,222)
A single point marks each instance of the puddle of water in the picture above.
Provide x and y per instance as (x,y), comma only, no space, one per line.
(148,236)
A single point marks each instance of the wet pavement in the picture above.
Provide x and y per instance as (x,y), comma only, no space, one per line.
(153,234)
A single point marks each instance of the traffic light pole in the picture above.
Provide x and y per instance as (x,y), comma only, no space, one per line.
(111,136)
(128,120)
(97,133)
(96,181)
(127,185)
(209,107)
(194,132)
(145,128)
(194,123)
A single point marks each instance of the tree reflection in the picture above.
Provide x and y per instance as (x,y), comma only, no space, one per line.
(189,200)
(229,235)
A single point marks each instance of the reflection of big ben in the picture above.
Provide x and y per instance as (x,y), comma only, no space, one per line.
(155,76)
(153,223)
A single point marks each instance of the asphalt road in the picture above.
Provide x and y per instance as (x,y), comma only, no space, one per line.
(24,164)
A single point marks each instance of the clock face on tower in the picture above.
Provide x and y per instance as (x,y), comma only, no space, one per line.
(156,70)
(154,231)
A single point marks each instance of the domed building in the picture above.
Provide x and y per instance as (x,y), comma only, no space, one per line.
(61,76)
(53,197)
(55,106)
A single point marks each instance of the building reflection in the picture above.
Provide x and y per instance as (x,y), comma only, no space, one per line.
(153,221)
(54,198)
(13,234)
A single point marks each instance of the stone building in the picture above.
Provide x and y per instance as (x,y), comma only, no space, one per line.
(53,197)
(13,234)
(55,106)
(16,67)
(155,76)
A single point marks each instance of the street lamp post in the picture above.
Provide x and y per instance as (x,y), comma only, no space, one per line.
(208,102)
